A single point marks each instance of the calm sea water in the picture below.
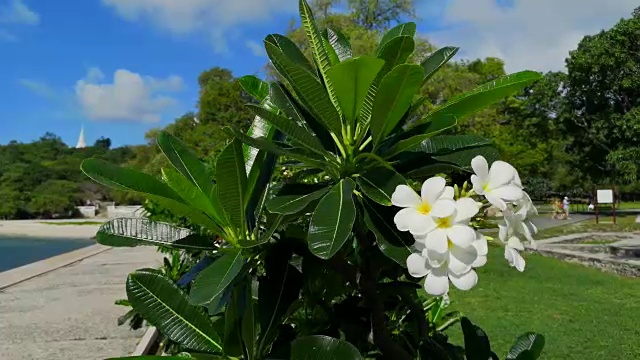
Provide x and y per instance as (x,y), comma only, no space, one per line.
(17,251)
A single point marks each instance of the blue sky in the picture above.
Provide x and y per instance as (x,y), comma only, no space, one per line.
(121,67)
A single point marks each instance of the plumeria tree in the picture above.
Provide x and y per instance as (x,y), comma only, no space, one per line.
(333,268)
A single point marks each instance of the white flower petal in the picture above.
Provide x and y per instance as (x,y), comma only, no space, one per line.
(464,282)
(500,174)
(461,235)
(448,193)
(495,200)
(514,258)
(477,184)
(481,260)
(437,282)
(404,196)
(481,244)
(466,208)
(515,243)
(443,208)
(405,218)
(423,226)
(503,233)
(480,167)
(434,258)
(507,192)
(437,241)
(516,179)
(417,266)
(432,189)
(460,259)
(420,245)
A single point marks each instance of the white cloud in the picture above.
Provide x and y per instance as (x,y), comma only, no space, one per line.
(129,97)
(17,12)
(215,18)
(256,48)
(6,36)
(529,34)
(38,87)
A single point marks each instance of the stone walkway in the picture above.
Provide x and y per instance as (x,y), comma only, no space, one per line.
(69,312)
(617,252)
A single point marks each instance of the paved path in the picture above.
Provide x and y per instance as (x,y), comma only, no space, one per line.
(69,312)
(544,221)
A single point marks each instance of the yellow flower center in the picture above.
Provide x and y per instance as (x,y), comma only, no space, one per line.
(450,244)
(443,223)
(424,208)
(485,187)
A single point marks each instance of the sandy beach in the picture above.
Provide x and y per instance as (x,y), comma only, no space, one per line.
(50,228)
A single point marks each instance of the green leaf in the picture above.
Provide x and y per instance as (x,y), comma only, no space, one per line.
(308,88)
(462,158)
(151,357)
(290,50)
(406,29)
(435,61)
(194,215)
(232,182)
(248,327)
(264,144)
(476,342)
(332,220)
(130,232)
(276,292)
(445,144)
(432,169)
(291,129)
(121,178)
(185,161)
(318,49)
(351,81)
(331,53)
(233,320)
(483,96)
(393,99)
(160,302)
(531,342)
(215,278)
(191,194)
(428,130)
(379,183)
(340,44)
(255,87)
(291,204)
(320,347)
(396,245)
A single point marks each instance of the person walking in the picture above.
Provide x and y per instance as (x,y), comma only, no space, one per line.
(565,206)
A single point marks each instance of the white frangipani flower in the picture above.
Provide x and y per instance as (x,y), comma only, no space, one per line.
(512,248)
(497,184)
(455,268)
(419,210)
(482,248)
(451,230)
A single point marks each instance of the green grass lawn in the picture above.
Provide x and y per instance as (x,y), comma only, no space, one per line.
(583,313)
(624,223)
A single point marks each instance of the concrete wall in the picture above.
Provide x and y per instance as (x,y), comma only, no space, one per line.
(124,211)
(87,211)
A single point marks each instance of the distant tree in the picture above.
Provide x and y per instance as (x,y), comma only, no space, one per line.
(54,197)
(103,142)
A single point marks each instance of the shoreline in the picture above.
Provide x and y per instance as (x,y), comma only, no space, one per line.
(51,231)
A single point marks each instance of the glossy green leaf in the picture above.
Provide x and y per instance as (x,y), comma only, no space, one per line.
(233,313)
(332,220)
(291,204)
(331,52)
(290,50)
(351,81)
(264,144)
(463,157)
(232,182)
(483,96)
(160,302)
(429,129)
(249,327)
(340,44)
(185,161)
(318,49)
(320,347)
(396,245)
(276,292)
(121,178)
(476,342)
(531,342)
(393,98)
(291,129)
(181,209)
(212,281)
(308,88)
(444,144)
(435,61)
(379,183)
(406,29)
(255,87)
(129,232)
(191,194)
(432,169)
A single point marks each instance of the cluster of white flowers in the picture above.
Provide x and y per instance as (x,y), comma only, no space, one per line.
(447,248)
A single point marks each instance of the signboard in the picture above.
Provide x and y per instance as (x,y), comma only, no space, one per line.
(604,196)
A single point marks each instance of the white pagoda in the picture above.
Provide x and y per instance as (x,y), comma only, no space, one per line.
(81,144)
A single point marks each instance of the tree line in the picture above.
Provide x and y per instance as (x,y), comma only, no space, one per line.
(566,133)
